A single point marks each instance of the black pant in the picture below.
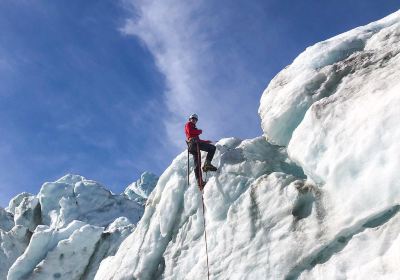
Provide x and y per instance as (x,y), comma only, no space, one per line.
(209,148)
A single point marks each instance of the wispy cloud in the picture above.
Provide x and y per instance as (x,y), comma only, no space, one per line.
(201,77)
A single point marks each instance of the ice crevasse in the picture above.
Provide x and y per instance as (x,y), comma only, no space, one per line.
(332,114)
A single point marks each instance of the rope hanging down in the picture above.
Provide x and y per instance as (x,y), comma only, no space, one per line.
(205,238)
(202,200)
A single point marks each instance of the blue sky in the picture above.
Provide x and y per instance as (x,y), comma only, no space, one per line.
(103,88)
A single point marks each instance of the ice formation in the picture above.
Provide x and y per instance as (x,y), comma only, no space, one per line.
(65,231)
(140,190)
(253,175)
(12,244)
(316,197)
(343,98)
(336,109)
(75,198)
(57,253)
(6,220)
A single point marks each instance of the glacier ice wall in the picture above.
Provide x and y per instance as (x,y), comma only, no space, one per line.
(140,190)
(12,244)
(6,220)
(250,203)
(54,253)
(320,70)
(336,109)
(65,231)
(74,198)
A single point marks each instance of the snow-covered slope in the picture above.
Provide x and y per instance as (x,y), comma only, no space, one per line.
(337,109)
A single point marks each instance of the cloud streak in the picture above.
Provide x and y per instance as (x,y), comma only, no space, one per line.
(202,75)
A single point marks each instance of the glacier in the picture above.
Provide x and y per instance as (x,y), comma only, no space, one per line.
(333,112)
(65,231)
(316,196)
(12,245)
(140,190)
(171,230)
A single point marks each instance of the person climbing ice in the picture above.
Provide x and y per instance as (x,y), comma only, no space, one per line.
(195,146)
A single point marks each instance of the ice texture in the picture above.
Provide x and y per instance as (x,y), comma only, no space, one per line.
(140,190)
(75,198)
(254,177)
(6,220)
(342,99)
(371,254)
(25,210)
(316,197)
(16,201)
(57,253)
(336,108)
(28,213)
(75,223)
(108,244)
(12,245)
(327,68)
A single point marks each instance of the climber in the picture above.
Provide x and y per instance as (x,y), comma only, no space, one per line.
(195,146)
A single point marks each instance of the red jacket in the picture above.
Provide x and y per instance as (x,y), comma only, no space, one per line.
(191,131)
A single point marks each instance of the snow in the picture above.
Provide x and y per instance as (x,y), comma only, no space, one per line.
(336,109)
(6,220)
(54,253)
(370,254)
(317,196)
(171,230)
(108,245)
(140,190)
(16,201)
(65,231)
(316,73)
(12,245)
(28,213)
(75,198)
(342,96)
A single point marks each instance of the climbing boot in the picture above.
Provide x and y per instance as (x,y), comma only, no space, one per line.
(208,167)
